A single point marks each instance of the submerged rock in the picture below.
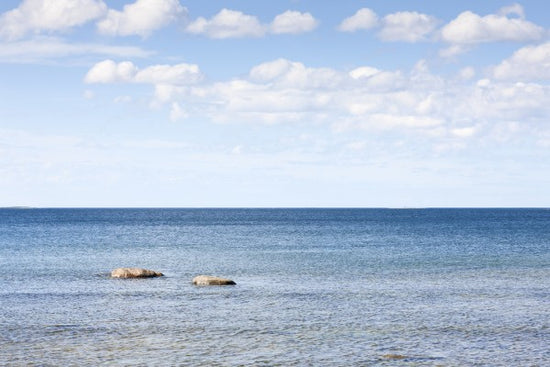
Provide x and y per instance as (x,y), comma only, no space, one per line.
(210,280)
(134,273)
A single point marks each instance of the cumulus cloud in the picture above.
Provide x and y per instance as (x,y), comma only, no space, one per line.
(508,25)
(401,26)
(179,74)
(527,63)
(514,9)
(227,24)
(250,100)
(108,71)
(165,93)
(270,70)
(364,18)
(278,90)
(38,16)
(407,26)
(235,24)
(293,22)
(284,90)
(295,74)
(141,18)
(457,109)
(363,72)
(368,98)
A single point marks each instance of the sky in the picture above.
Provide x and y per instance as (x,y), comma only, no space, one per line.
(287,103)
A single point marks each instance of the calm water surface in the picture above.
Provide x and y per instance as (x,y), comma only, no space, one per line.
(338,287)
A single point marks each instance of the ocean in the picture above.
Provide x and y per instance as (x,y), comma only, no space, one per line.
(315,287)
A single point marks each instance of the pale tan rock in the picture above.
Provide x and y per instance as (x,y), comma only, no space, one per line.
(210,280)
(134,273)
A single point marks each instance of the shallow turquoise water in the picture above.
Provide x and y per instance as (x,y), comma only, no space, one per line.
(337,287)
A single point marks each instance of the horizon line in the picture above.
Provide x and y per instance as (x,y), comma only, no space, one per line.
(24,207)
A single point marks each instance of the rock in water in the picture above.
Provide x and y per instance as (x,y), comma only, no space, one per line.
(210,280)
(134,273)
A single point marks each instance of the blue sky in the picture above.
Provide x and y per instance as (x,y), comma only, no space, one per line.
(169,103)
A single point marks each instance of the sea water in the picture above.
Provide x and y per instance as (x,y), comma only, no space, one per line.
(319,287)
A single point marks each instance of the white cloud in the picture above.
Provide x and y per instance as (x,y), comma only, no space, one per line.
(459,109)
(363,72)
(470,28)
(165,93)
(467,73)
(177,112)
(407,26)
(427,105)
(109,71)
(505,102)
(293,22)
(527,63)
(283,90)
(286,91)
(401,26)
(235,24)
(270,70)
(385,81)
(242,98)
(453,50)
(514,9)
(46,48)
(295,75)
(179,74)
(227,24)
(483,83)
(141,18)
(464,132)
(364,18)
(37,16)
